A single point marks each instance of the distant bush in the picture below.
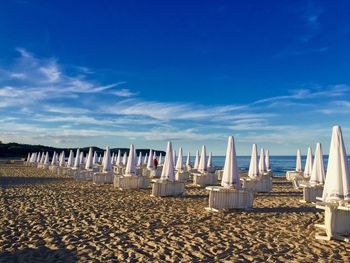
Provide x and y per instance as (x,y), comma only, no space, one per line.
(21,150)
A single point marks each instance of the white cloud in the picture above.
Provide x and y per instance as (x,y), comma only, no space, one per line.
(45,80)
(170,111)
(51,72)
(124,93)
(34,131)
(24,53)
(65,110)
(75,119)
(10,92)
(303,94)
(18,75)
(334,107)
(76,85)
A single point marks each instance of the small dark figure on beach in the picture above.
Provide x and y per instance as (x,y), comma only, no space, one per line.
(155,162)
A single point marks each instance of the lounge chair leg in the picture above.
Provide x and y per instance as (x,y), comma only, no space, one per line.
(322,236)
(319,226)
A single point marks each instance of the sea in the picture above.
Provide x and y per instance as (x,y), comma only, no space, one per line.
(278,164)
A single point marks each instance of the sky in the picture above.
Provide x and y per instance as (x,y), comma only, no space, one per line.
(100,73)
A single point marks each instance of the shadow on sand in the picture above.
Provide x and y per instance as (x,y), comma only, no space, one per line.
(283,183)
(198,196)
(286,193)
(284,209)
(10,181)
(42,254)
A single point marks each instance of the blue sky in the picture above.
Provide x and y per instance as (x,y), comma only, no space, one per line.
(275,73)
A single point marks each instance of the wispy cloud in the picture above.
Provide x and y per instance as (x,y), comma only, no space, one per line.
(303,94)
(65,109)
(44,79)
(124,93)
(169,111)
(51,72)
(70,133)
(18,75)
(24,53)
(335,107)
(44,104)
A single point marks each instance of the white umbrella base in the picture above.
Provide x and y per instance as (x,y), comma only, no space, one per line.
(98,167)
(167,188)
(84,175)
(202,180)
(102,178)
(150,173)
(182,176)
(337,222)
(75,172)
(291,175)
(310,193)
(221,199)
(219,174)
(62,171)
(262,184)
(298,182)
(117,170)
(130,182)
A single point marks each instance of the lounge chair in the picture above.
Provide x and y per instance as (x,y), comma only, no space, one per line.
(311,192)
(337,222)
(182,176)
(221,198)
(291,175)
(100,178)
(261,184)
(167,188)
(204,179)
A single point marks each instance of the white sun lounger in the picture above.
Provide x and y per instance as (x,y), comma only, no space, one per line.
(219,174)
(103,178)
(167,188)
(182,176)
(84,175)
(290,175)
(310,193)
(221,198)
(337,222)
(204,179)
(128,182)
(261,184)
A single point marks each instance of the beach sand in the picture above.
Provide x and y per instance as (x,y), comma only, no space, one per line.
(49,220)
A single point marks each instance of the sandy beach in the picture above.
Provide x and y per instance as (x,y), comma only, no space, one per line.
(47,219)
